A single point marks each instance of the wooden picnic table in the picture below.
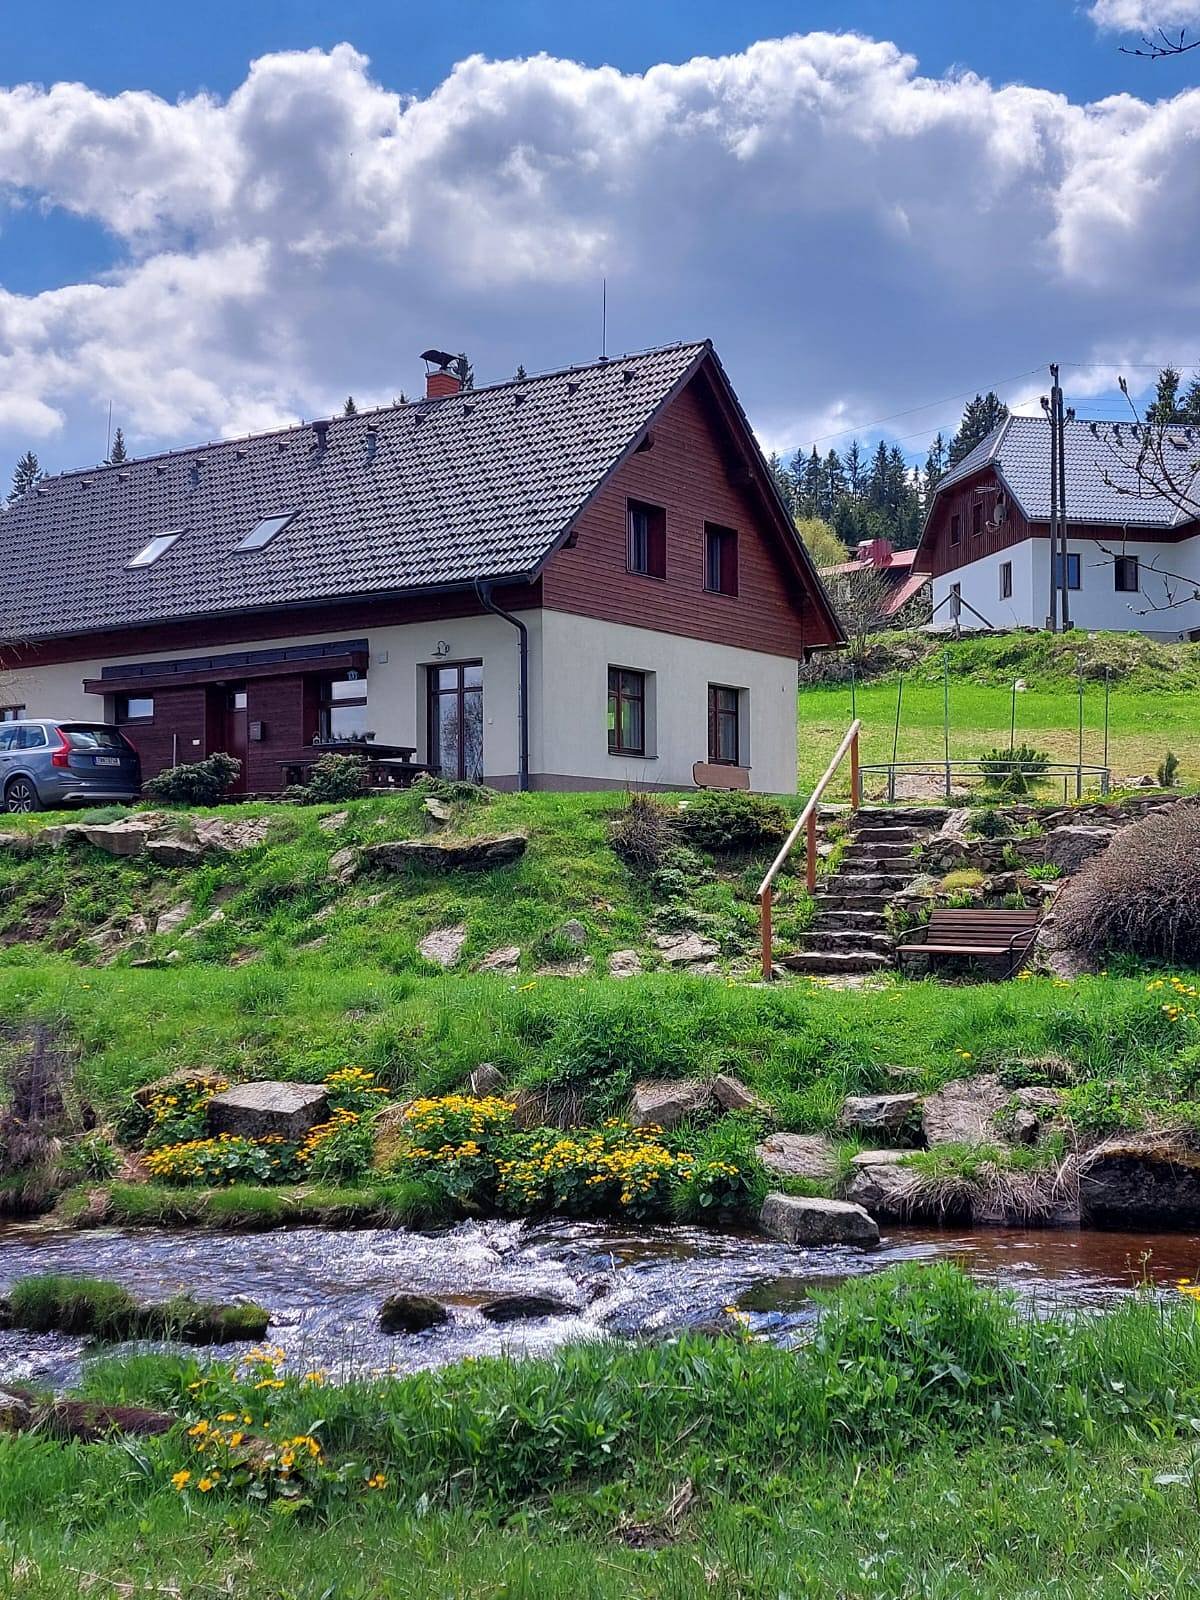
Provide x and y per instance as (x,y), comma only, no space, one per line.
(389,766)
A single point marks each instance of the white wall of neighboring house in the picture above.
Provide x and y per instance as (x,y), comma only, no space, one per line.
(568,682)
(1096,605)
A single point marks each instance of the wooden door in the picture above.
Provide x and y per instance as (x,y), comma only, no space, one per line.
(456,720)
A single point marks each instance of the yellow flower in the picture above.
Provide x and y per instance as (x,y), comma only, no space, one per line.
(181,1479)
(210,1482)
(377,1480)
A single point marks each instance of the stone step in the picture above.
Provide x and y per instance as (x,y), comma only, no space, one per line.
(888,858)
(870,920)
(827,963)
(872,882)
(849,940)
(906,816)
(886,833)
(837,900)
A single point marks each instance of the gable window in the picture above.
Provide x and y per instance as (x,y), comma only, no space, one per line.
(342,711)
(1006,580)
(133,708)
(956,529)
(1126,578)
(626,712)
(724,725)
(647,540)
(158,546)
(263,532)
(1072,570)
(720,559)
(11,713)
(977,517)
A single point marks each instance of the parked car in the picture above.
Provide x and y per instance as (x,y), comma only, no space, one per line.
(45,763)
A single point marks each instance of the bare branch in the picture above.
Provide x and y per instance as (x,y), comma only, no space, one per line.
(1160,45)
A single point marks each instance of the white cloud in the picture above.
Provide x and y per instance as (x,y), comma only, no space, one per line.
(852,234)
(1144,16)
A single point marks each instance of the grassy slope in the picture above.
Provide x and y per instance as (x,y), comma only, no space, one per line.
(277,899)
(1155,701)
(1047,1459)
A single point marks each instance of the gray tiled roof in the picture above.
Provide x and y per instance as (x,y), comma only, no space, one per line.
(479,486)
(1020,450)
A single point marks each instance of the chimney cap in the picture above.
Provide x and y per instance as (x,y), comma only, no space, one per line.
(443,358)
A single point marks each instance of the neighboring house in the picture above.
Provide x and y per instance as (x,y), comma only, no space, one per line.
(580,580)
(877,563)
(1133,559)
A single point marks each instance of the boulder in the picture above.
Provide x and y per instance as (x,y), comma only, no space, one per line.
(485,1080)
(343,864)
(222,835)
(444,945)
(411,1313)
(525,1307)
(572,932)
(964,1112)
(506,959)
(1134,1184)
(125,838)
(1070,846)
(665,1103)
(733,1095)
(254,1110)
(815,1223)
(565,969)
(212,920)
(16,1412)
(797,1155)
(447,855)
(624,964)
(174,852)
(679,949)
(879,1181)
(183,1078)
(19,844)
(439,812)
(168,921)
(880,1113)
(335,821)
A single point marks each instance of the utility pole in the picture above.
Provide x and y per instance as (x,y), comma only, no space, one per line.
(1058,417)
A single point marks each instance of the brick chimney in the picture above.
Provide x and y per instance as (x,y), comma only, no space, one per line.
(440,382)
(876,552)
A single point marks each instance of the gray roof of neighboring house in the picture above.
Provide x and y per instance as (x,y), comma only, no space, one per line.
(427,495)
(1019,449)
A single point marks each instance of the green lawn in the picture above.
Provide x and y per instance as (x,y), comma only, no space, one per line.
(929,1441)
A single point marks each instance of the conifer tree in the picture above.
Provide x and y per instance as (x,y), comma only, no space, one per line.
(783,480)
(26,475)
(117,452)
(349,409)
(1165,406)
(980,416)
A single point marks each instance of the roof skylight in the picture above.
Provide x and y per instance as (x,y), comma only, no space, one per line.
(263,532)
(158,546)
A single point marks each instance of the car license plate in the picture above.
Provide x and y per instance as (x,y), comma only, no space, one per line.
(108,761)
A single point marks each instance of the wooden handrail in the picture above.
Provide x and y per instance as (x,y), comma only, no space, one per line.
(806,822)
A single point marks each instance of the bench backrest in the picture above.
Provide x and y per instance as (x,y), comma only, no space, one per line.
(979,925)
(716,775)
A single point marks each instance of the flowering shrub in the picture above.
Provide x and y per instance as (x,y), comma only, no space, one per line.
(721,1188)
(355,1089)
(338,1150)
(227,1159)
(180,1114)
(615,1168)
(455,1119)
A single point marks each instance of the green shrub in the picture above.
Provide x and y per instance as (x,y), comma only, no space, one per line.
(989,823)
(344,1155)
(62,1303)
(1045,872)
(455,791)
(90,1158)
(963,878)
(729,820)
(725,1181)
(1013,771)
(1167,770)
(197,783)
(334,777)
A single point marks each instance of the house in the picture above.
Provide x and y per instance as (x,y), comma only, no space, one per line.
(580,580)
(1133,557)
(878,563)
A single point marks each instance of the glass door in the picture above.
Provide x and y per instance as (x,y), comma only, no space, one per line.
(456,720)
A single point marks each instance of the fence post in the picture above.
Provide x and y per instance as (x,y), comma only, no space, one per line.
(810,850)
(764,918)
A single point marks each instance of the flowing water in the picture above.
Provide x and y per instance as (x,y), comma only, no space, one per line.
(324,1288)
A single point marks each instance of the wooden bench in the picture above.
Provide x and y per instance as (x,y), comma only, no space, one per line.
(979,933)
(717,775)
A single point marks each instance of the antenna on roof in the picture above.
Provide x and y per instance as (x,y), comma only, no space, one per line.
(604,319)
(108,433)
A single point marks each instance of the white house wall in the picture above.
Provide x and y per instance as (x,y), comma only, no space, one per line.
(1096,605)
(577,653)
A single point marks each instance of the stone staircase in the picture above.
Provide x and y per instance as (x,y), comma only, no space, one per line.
(850,933)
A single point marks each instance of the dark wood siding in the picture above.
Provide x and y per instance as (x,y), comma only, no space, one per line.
(690,472)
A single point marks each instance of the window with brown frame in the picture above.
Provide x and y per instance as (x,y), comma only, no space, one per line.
(977,518)
(343,708)
(646,549)
(1006,580)
(626,712)
(724,725)
(956,529)
(134,708)
(1126,578)
(720,559)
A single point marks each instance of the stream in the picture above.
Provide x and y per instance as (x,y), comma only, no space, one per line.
(324,1288)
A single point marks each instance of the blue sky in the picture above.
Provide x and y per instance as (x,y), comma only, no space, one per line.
(214,233)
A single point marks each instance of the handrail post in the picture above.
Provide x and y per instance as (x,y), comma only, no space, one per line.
(764,917)
(810,851)
(855,780)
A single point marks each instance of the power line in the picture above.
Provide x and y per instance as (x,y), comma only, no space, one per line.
(964,394)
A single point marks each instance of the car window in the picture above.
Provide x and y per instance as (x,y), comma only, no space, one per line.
(93,738)
(31,737)
(8,738)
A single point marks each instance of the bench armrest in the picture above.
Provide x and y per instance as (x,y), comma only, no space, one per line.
(911,936)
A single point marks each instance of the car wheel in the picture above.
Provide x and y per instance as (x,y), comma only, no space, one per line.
(20,795)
